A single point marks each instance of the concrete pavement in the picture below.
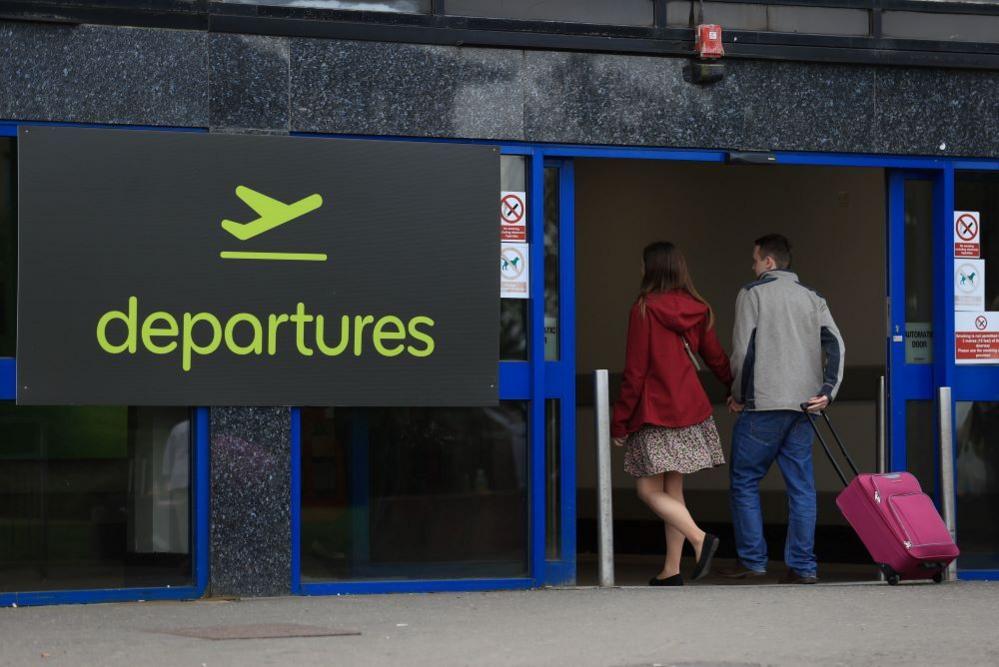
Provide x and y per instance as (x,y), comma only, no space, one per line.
(863,624)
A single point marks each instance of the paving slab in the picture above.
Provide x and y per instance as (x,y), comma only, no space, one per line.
(869,624)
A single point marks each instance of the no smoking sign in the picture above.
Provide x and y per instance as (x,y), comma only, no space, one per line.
(967,234)
(513,217)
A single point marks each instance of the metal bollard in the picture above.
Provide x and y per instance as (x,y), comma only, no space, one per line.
(882,426)
(882,436)
(605,513)
(947,469)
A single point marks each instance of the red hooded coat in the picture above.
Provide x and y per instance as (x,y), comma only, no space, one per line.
(660,384)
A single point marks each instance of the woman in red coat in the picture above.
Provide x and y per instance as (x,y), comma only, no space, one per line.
(663,417)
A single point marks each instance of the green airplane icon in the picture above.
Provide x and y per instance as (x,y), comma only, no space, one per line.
(273,213)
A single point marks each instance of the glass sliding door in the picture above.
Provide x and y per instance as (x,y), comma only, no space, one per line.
(975,371)
(911,407)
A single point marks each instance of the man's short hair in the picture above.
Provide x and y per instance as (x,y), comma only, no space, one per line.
(776,246)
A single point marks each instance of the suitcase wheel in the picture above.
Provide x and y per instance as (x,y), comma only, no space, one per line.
(891,576)
(938,578)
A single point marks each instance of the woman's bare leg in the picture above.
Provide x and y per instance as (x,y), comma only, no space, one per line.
(669,509)
(673,486)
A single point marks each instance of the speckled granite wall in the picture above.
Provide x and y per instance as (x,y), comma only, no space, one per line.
(250,447)
(96,74)
(235,83)
(250,508)
(170,77)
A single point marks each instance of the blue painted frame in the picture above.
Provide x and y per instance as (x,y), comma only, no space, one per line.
(199,546)
(534,380)
(560,377)
(518,380)
(968,383)
(200,475)
(906,382)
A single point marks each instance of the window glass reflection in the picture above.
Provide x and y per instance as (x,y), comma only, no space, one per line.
(608,12)
(94,497)
(393,6)
(551,263)
(918,276)
(414,493)
(978,484)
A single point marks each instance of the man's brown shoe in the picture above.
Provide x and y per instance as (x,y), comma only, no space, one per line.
(740,571)
(792,577)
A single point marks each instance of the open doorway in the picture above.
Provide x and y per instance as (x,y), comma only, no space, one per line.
(835,219)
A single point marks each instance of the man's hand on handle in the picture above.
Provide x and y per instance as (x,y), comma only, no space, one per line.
(817,403)
(734,406)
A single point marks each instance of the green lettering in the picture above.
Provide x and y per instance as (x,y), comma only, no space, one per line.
(359,324)
(150,330)
(344,336)
(424,338)
(301,319)
(273,323)
(380,334)
(256,345)
(190,346)
(130,323)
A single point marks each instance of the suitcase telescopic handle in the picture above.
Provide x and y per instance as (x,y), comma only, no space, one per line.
(839,442)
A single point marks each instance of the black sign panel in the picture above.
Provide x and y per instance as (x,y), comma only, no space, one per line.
(165,268)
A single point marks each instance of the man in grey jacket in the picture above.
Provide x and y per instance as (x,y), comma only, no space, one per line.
(786,351)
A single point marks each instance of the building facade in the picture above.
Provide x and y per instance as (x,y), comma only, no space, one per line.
(143,502)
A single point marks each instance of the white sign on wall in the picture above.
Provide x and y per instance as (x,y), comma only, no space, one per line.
(969,284)
(514,271)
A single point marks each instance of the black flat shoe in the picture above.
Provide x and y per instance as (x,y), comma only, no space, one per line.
(675,580)
(708,550)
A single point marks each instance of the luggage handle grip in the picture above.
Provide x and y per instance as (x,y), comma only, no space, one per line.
(825,446)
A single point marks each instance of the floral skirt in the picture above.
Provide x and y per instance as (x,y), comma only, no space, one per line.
(656,449)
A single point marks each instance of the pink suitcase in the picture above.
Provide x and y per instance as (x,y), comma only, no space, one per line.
(896,521)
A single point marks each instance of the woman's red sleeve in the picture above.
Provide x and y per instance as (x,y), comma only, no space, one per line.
(715,357)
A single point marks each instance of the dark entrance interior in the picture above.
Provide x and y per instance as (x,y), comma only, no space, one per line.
(835,219)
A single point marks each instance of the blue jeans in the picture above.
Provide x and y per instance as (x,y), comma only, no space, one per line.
(759,439)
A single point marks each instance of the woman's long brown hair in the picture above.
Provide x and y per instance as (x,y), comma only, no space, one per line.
(665,270)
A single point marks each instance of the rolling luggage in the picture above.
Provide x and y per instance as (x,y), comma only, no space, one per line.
(896,521)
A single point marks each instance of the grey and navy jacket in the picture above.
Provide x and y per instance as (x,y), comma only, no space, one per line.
(785,347)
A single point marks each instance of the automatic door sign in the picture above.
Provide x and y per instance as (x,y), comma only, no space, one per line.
(513,217)
(976,337)
(918,342)
(969,285)
(967,234)
(514,271)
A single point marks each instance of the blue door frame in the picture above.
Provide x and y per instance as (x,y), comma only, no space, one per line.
(199,475)
(906,382)
(535,380)
(968,383)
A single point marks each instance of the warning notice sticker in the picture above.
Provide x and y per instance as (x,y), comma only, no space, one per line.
(967,234)
(977,337)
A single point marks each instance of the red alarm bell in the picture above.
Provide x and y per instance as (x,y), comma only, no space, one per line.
(709,41)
